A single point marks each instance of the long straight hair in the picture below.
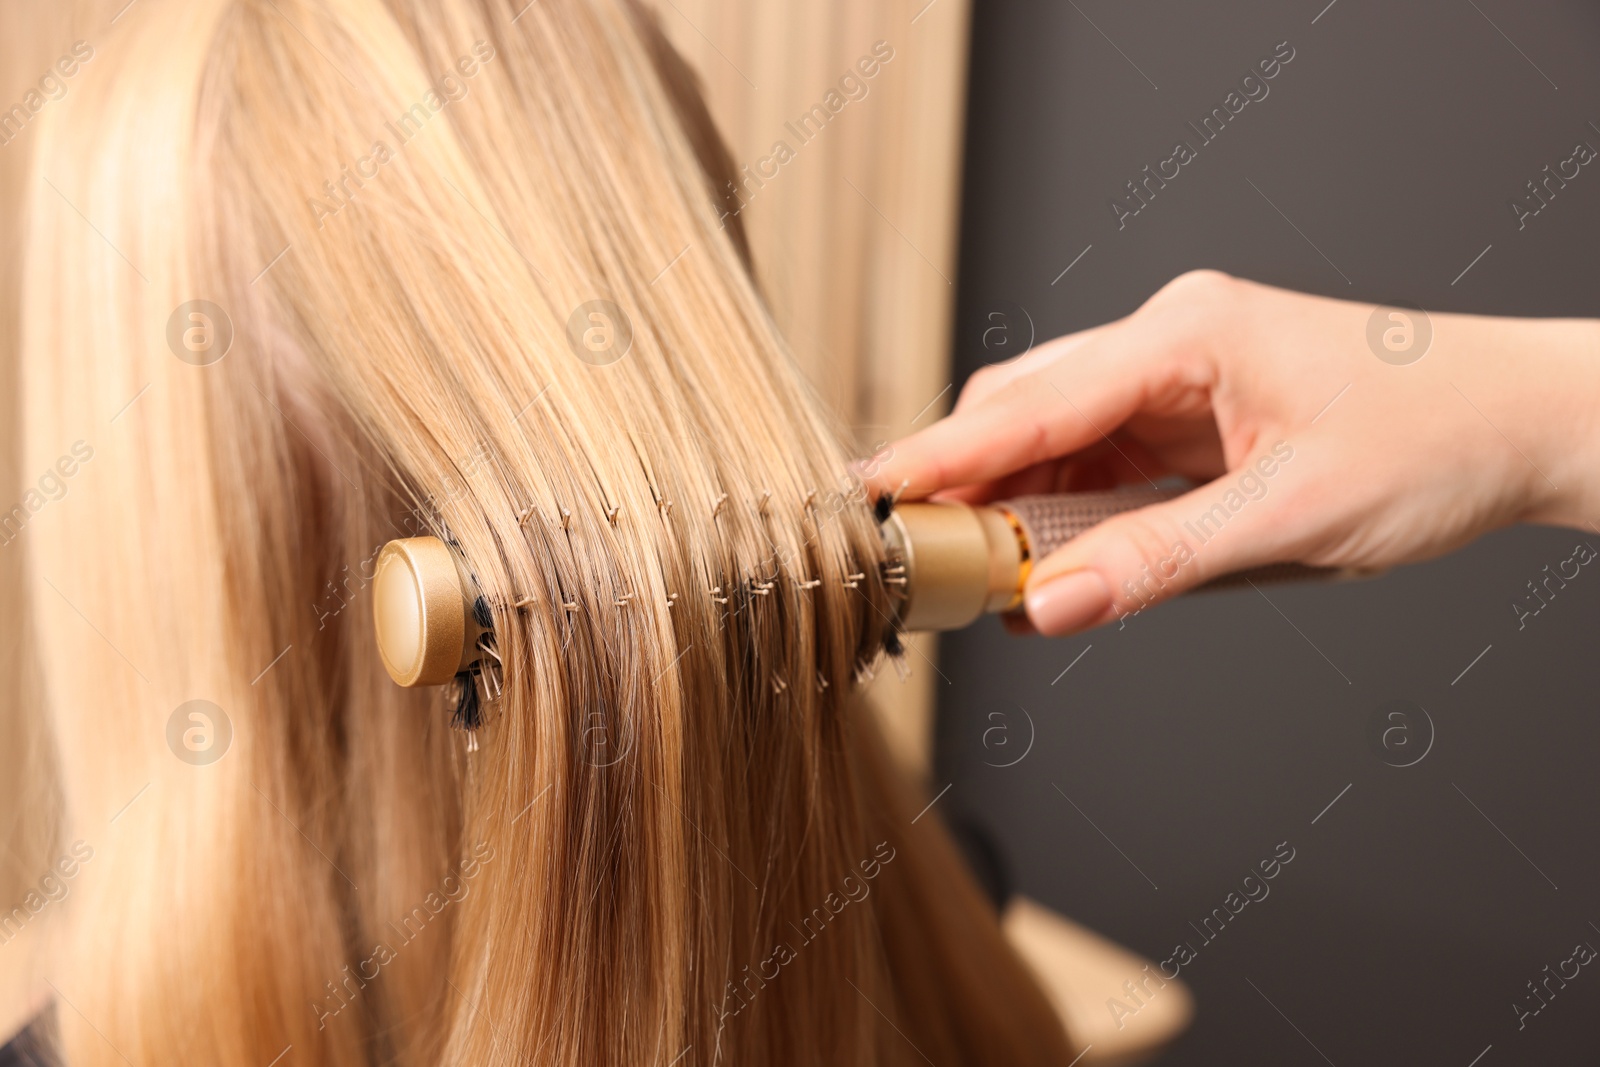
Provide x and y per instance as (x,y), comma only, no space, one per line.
(307,276)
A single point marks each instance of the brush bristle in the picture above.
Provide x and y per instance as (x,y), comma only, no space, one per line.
(468,715)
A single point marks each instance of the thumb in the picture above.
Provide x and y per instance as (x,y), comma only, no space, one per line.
(1142,557)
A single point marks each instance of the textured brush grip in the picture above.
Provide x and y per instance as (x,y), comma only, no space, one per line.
(1052,520)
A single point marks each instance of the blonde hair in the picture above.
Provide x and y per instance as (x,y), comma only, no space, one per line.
(674,839)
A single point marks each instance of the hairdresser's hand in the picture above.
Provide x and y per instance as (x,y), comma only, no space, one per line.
(1307,445)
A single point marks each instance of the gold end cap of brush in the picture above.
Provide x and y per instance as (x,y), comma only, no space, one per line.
(425,628)
(961,562)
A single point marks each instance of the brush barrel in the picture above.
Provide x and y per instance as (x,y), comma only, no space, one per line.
(963,562)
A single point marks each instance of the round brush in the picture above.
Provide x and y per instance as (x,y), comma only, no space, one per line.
(953,563)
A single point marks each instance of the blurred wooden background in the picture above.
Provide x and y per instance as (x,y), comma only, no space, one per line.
(32,36)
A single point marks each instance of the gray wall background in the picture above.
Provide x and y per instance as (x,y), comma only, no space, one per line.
(1421,903)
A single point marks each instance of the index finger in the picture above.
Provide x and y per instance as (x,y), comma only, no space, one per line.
(1056,408)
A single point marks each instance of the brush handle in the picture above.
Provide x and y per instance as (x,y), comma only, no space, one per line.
(1050,521)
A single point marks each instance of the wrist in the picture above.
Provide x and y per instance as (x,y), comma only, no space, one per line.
(1563,420)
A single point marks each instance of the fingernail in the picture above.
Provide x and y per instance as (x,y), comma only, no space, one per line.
(1070,602)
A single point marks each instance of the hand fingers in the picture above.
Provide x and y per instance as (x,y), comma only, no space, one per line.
(1106,465)
(1043,414)
(1140,558)
(988,380)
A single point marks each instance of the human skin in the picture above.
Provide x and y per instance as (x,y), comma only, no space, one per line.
(1497,423)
